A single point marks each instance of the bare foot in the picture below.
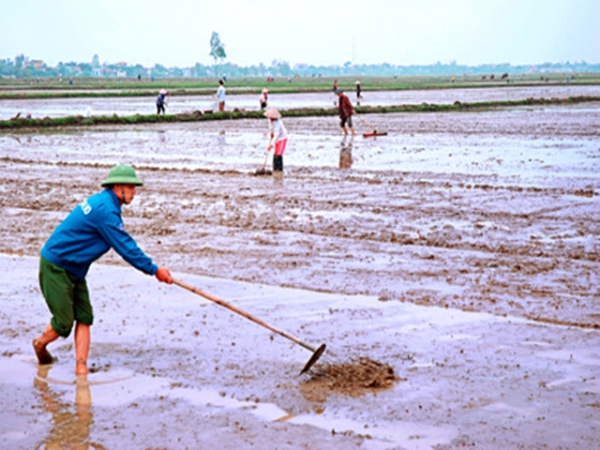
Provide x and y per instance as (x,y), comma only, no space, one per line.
(43,355)
(81,368)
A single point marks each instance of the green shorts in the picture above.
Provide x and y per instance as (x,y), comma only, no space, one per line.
(67,298)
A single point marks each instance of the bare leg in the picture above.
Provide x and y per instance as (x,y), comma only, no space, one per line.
(39,345)
(82,348)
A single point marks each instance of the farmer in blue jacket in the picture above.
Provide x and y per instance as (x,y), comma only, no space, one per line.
(88,232)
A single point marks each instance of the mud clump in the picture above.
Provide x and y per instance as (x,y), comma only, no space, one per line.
(354,378)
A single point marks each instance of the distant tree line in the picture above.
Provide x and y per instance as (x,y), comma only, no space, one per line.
(24,67)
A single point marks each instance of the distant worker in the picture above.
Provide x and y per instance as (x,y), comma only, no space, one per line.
(277,138)
(161,101)
(220,95)
(345,110)
(358,93)
(264,98)
(88,232)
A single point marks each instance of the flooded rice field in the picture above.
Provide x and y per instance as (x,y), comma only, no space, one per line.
(460,253)
(61,107)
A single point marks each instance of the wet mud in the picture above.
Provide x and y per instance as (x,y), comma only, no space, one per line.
(453,265)
(357,377)
(494,212)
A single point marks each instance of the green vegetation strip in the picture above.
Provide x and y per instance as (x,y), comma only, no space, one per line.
(197,116)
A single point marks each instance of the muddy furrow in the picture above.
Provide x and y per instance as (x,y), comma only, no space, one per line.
(396,242)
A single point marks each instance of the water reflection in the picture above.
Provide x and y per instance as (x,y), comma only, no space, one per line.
(71,422)
(221,138)
(346,152)
(278,187)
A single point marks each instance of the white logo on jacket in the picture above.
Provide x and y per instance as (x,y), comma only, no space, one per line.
(85,206)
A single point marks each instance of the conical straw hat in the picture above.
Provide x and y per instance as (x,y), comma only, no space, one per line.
(272,113)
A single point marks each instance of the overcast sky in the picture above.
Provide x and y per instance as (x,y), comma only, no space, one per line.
(328,32)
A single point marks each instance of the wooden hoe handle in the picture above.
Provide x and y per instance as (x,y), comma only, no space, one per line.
(242,313)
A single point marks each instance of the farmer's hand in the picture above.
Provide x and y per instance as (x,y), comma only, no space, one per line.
(163,275)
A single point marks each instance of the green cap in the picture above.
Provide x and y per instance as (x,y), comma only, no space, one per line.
(122,174)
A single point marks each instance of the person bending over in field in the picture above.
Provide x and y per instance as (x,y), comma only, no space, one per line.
(88,232)
(277,138)
(161,101)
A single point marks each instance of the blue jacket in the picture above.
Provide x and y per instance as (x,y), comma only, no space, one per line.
(88,232)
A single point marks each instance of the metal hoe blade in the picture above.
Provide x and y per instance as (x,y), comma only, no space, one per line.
(313,359)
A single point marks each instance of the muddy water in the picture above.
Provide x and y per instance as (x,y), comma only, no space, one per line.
(493,211)
(177,105)
(466,214)
(174,371)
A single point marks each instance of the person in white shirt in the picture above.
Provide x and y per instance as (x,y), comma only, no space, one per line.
(221,96)
(278,137)
(264,98)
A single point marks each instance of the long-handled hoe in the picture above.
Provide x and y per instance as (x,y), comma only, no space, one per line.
(317,352)
(263,171)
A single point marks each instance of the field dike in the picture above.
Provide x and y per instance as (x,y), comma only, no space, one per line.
(19,122)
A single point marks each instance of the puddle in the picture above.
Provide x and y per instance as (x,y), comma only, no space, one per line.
(75,399)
